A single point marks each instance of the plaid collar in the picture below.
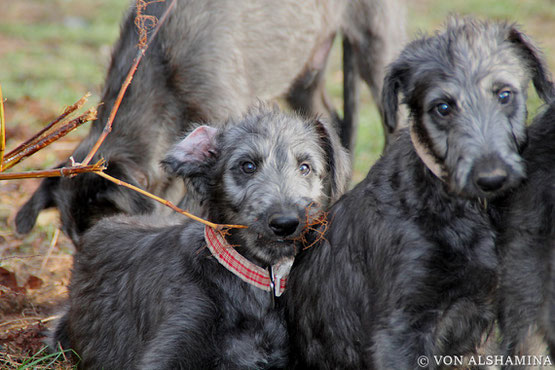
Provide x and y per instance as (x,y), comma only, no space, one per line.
(274,280)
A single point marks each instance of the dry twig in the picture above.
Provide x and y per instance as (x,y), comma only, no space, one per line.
(56,172)
(53,243)
(36,145)
(69,110)
(315,225)
(108,127)
(217,227)
(144,22)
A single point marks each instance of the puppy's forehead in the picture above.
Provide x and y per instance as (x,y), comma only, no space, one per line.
(466,57)
(481,84)
(488,55)
(268,133)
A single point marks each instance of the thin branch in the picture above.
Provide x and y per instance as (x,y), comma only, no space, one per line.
(72,108)
(20,320)
(316,224)
(142,20)
(57,172)
(2,131)
(20,257)
(141,52)
(53,243)
(11,161)
(50,318)
(167,203)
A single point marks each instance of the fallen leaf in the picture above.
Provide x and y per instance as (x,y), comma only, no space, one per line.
(7,279)
(33,282)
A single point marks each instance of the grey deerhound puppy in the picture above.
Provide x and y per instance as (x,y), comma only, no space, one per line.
(149,297)
(409,267)
(527,281)
(211,60)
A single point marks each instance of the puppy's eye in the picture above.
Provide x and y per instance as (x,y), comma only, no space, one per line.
(504,96)
(305,169)
(248,167)
(443,109)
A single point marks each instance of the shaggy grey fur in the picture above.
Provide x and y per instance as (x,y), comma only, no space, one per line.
(527,281)
(409,264)
(152,297)
(211,60)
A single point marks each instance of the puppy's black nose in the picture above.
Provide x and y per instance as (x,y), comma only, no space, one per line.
(283,225)
(491,181)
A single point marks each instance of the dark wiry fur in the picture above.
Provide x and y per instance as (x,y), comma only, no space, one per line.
(211,60)
(153,297)
(527,282)
(408,266)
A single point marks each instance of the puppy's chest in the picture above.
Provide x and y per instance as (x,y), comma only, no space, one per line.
(460,246)
(445,228)
(242,301)
(251,327)
(459,227)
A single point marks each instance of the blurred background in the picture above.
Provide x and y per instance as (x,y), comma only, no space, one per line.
(54,51)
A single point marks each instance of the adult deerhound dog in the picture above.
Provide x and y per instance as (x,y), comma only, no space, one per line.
(527,281)
(409,267)
(150,297)
(211,60)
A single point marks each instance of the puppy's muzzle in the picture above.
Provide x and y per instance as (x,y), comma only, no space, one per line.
(283,224)
(491,174)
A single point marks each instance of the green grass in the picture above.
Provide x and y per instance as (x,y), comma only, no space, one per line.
(49,73)
(44,360)
(56,57)
(521,11)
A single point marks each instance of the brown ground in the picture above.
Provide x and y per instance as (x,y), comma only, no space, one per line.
(34,275)
(35,269)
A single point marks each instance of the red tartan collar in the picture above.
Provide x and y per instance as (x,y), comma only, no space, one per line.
(245,269)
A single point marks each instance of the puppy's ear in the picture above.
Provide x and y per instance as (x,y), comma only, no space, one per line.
(41,199)
(535,62)
(193,157)
(393,83)
(338,161)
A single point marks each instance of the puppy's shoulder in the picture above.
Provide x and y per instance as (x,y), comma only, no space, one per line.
(141,235)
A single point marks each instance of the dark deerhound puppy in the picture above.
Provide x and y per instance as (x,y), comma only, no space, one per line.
(408,266)
(150,297)
(527,281)
(211,60)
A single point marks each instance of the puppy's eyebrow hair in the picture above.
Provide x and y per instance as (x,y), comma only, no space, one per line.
(305,157)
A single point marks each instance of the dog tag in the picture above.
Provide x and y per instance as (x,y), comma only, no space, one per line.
(277,273)
(272,288)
